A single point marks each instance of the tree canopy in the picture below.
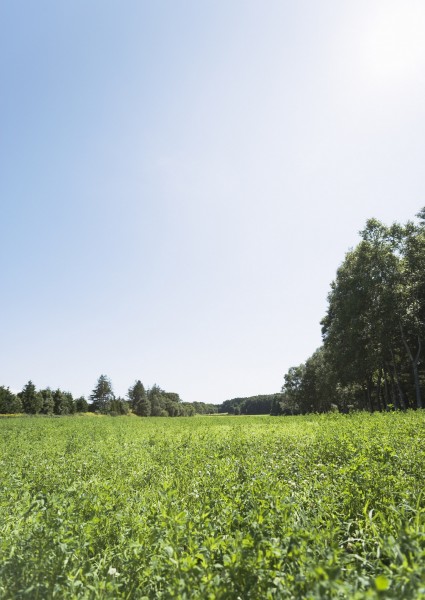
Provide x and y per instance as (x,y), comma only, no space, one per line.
(373,329)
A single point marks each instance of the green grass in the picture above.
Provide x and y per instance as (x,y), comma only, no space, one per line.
(215,507)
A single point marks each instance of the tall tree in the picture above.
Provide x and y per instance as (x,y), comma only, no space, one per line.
(411,288)
(32,402)
(139,400)
(157,401)
(64,403)
(48,401)
(360,328)
(374,329)
(102,394)
(9,403)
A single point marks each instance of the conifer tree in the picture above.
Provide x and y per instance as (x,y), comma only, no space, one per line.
(102,395)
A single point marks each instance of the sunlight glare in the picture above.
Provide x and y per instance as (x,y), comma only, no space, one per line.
(393,46)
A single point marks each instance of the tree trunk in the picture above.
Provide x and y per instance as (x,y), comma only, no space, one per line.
(417,383)
(369,395)
(386,394)
(393,389)
(403,403)
(378,391)
(414,360)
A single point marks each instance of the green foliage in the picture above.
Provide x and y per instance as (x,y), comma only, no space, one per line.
(63,403)
(32,402)
(58,402)
(118,406)
(253,405)
(276,408)
(198,408)
(9,403)
(81,405)
(48,405)
(156,402)
(374,328)
(102,395)
(139,401)
(316,507)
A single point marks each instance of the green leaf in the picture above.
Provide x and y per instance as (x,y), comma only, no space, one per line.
(382,583)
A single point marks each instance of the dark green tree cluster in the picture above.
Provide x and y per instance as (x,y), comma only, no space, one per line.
(263,404)
(9,402)
(155,402)
(44,402)
(103,399)
(202,408)
(373,331)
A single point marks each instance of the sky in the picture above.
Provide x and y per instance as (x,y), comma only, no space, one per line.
(179,181)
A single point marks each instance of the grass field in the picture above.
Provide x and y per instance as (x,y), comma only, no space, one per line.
(213,507)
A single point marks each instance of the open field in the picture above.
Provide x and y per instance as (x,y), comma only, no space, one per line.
(213,507)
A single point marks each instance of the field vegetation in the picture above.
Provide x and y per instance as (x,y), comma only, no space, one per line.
(318,506)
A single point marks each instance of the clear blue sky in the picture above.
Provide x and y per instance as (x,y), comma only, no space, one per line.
(179,181)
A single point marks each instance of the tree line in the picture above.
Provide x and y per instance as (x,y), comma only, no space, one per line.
(371,358)
(373,330)
(253,405)
(143,402)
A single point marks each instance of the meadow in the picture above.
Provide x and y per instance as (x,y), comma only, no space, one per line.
(328,506)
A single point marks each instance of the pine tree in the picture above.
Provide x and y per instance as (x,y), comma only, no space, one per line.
(140,402)
(102,395)
(32,402)
(48,402)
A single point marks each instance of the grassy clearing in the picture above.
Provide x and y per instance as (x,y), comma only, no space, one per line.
(217,507)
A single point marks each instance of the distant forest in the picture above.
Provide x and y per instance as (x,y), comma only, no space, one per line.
(143,402)
(254,405)
(371,357)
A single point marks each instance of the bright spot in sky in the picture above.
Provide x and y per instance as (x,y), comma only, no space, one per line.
(393,42)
